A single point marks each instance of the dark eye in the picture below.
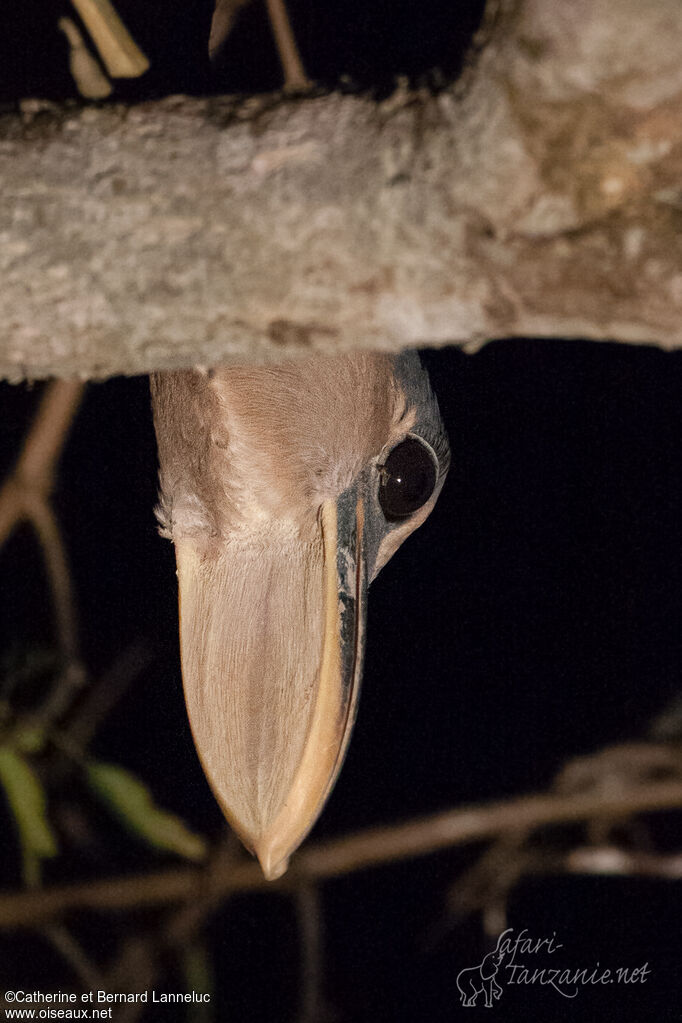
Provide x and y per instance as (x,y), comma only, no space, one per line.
(408,478)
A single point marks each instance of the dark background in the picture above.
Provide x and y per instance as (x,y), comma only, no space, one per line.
(535,617)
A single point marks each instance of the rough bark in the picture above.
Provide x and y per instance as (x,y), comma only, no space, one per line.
(541,195)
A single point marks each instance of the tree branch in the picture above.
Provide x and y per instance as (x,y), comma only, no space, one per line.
(33,475)
(25,496)
(341,856)
(295,78)
(309,912)
(539,196)
(613,861)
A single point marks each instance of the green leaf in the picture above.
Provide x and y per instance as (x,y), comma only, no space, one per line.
(132,803)
(28,803)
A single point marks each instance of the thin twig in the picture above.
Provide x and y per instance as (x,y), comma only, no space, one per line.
(71,951)
(26,491)
(135,969)
(613,861)
(43,446)
(25,495)
(478,823)
(295,78)
(307,900)
(224,16)
(36,466)
(105,693)
(186,922)
(416,837)
(486,884)
(38,511)
(140,960)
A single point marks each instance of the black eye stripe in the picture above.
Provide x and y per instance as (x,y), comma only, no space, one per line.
(407,479)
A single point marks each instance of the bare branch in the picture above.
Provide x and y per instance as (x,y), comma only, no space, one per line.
(34,471)
(460,827)
(344,855)
(39,513)
(614,861)
(307,901)
(104,694)
(25,495)
(295,78)
(224,16)
(72,953)
(139,962)
(538,197)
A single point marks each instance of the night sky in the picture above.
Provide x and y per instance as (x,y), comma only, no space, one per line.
(535,617)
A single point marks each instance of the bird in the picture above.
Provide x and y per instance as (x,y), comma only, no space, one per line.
(285,488)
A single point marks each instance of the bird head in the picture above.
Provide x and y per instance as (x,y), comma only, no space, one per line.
(285,490)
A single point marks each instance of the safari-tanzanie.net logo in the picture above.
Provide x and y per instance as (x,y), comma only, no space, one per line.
(520,960)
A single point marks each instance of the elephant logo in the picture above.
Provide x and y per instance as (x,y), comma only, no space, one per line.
(477,980)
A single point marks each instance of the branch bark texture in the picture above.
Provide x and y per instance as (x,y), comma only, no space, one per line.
(539,196)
